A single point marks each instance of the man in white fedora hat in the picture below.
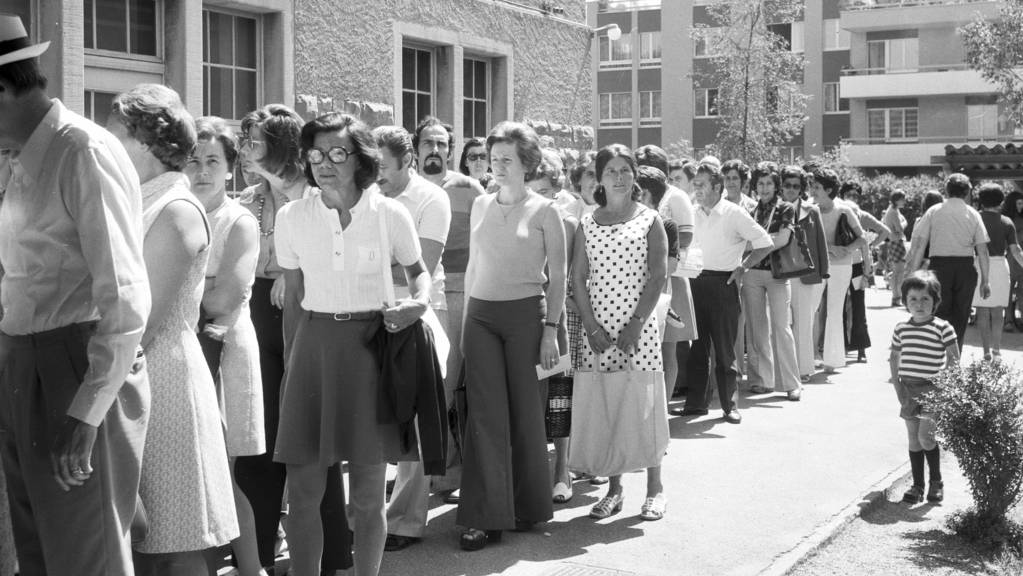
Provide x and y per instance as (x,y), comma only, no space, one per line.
(74,394)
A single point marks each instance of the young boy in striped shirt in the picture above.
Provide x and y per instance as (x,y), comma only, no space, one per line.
(921,347)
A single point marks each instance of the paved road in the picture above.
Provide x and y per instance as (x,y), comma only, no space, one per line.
(739,496)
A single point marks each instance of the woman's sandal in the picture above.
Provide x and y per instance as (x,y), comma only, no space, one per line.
(608,505)
(473,539)
(654,508)
(562,492)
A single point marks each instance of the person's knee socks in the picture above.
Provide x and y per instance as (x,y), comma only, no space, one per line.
(933,464)
(916,462)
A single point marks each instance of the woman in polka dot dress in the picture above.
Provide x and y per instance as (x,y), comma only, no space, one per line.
(622,249)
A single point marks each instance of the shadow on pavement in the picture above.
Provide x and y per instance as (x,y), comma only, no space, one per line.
(937,549)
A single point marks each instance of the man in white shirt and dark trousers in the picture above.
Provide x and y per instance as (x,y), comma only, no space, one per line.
(722,230)
(430,208)
(74,396)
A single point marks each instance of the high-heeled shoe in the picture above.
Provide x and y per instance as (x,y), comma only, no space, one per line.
(608,505)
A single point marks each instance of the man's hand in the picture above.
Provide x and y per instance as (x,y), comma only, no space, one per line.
(277,292)
(736,276)
(71,454)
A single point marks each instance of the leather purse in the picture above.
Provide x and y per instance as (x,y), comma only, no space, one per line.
(794,259)
(844,233)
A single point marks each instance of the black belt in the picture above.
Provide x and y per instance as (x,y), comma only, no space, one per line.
(715,273)
(346,316)
(52,336)
(952,259)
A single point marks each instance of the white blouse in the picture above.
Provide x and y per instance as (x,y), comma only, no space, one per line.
(341,269)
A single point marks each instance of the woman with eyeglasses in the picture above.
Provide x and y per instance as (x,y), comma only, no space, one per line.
(475,162)
(336,249)
(271,156)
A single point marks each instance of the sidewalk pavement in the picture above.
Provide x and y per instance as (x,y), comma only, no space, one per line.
(742,499)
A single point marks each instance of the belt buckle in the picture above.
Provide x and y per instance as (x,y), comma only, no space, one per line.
(342,316)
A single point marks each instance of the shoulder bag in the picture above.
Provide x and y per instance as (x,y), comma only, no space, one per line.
(844,233)
(793,260)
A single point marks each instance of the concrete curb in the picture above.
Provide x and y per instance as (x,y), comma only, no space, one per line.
(806,548)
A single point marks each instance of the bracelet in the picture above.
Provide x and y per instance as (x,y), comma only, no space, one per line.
(550,324)
(595,330)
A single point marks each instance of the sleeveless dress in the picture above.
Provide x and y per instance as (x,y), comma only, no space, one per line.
(185,485)
(617,256)
(241,386)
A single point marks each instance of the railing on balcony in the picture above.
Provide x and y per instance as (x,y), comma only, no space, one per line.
(873,4)
(960,139)
(918,69)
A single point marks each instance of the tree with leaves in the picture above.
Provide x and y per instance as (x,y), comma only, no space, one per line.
(759,80)
(995,49)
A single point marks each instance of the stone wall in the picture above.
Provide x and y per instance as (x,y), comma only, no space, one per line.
(344,51)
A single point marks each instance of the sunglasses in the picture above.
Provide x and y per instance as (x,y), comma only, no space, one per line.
(475,157)
(337,155)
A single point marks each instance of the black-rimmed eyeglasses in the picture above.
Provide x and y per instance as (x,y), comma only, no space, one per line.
(337,155)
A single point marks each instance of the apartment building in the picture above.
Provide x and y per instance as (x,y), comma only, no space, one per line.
(473,63)
(910,91)
(644,90)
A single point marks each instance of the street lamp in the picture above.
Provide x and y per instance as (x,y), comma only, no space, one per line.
(613,31)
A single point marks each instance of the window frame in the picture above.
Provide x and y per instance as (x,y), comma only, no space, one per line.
(833,103)
(709,36)
(705,113)
(647,97)
(888,138)
(260,49)
(159,28)
(651,61)
(611,121)
(432,50)
(486,100)
(833,39)
(888,51)
(989,109)
(609,63)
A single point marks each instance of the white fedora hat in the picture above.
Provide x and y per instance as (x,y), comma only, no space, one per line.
(14,42)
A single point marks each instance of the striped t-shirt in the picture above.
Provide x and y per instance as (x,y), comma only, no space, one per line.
(922,346)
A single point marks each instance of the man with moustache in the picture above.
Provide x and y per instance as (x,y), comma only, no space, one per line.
(434,143)
(721,231)
(431,213)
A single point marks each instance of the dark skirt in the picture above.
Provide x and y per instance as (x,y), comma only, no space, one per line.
(857,337)
(329,402)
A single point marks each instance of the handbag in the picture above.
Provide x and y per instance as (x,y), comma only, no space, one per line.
(793,260)
(620,421)
(558,414)
(844,233)
(458,413)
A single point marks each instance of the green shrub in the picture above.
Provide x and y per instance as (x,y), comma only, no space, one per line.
(978,410)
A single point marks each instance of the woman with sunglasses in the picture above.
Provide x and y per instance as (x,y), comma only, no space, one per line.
(336,259)
(475,162)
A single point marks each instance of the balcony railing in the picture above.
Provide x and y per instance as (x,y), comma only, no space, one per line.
(960,139)
(918,69)
(875,4)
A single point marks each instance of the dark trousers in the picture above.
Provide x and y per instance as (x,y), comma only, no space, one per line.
(958,280)
(504,468)
(84,531)
(717,321)
(857,337)
(259,477)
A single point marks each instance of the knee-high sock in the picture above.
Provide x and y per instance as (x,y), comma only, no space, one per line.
(916,461)
(934,463)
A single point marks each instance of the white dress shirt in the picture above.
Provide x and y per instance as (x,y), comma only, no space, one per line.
(722,233)
(71,249)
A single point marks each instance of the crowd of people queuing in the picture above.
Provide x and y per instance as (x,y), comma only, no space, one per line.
(185,369)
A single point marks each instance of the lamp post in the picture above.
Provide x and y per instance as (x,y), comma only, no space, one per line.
(614,33)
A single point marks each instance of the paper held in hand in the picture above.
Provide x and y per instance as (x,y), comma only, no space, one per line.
(564,363)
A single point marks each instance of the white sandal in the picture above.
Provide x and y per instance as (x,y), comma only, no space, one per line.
(608,505)
(562,493)
(654,508)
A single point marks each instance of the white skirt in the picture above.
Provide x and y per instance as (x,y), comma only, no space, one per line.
(998,272)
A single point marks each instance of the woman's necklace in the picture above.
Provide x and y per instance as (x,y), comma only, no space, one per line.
(259,218)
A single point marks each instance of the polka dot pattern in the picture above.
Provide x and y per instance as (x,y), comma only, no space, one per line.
(617,256)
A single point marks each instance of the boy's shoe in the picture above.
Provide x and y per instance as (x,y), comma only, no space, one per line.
(914,495)
(936,491)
